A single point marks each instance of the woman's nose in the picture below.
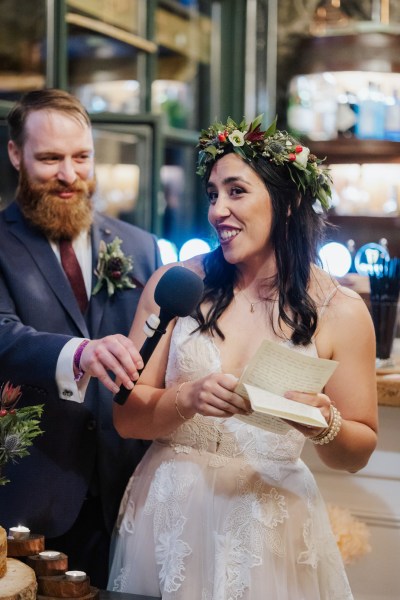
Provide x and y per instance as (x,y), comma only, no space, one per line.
(220,208)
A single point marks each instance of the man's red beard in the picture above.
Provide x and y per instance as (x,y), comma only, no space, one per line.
(55,217)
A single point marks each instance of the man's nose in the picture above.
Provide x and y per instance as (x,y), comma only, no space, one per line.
(66,171)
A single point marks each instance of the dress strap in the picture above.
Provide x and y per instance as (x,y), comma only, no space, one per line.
(328,299)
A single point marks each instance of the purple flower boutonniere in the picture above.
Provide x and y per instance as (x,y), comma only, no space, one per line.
(113,268)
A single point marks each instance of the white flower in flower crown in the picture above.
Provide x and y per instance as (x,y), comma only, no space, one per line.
(236,138)
(302,157)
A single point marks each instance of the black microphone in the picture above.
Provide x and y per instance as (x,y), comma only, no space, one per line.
(177,294)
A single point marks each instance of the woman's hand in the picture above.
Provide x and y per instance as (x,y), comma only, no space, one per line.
(321,401)
(212,396)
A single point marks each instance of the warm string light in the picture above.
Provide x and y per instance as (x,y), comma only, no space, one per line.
(385,7)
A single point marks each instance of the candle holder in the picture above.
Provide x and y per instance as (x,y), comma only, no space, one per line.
(72,584)
(50,554)
(33,544)
(20,532)
(75,575)
(48,562)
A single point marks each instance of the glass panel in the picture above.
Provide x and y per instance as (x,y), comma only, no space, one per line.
(183,210)
(22,47)
(106,43)
(183,34)
(8,175)
(124,174)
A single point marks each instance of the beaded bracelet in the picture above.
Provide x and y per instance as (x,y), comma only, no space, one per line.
(329,434)
(176,402)
(77,360)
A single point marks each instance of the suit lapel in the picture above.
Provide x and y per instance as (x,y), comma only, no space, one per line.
(99,301)
(39,248)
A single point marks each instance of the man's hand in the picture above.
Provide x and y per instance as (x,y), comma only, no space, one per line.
(116,354)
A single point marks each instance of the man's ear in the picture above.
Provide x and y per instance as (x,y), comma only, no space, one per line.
(15,154)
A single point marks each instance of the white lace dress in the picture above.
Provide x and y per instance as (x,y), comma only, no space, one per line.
(222,510)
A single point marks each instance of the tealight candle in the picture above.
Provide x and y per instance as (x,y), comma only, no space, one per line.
(20,532)
(75,575)
(50,554)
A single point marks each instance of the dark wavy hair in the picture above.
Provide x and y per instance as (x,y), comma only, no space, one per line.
(297,229)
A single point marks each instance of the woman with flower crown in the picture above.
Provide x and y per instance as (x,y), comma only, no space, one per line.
(220,509)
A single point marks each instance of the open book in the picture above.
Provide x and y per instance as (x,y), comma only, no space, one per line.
(274,370)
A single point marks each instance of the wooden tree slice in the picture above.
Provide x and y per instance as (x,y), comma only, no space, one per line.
(58,586)
(19,583)
(33,545)
(47,566)
(92,595)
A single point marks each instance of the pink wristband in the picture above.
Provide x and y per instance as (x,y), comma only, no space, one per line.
(77,360)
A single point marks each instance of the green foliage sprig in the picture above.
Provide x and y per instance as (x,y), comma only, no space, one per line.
(18,427)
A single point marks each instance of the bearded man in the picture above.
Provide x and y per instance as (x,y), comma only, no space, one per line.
(63,344)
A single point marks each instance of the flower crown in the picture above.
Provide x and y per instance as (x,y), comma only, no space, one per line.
(279,147)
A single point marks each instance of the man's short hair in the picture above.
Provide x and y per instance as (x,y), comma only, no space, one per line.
(46,99)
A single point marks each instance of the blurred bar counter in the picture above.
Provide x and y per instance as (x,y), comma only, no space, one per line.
(388,380)
(388,390)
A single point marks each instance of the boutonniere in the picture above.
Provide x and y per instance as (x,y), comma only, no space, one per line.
(113,268)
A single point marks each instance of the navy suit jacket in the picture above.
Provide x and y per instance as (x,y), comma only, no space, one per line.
(38,315)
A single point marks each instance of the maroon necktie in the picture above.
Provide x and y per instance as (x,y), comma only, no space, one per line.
(73,272)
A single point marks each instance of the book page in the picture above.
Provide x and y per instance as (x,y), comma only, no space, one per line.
(267,422)
(278,369)
(271,404)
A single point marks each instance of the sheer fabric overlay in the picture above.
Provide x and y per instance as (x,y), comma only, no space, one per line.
(222,510)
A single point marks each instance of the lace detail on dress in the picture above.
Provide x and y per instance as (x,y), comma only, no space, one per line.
(166,493)
(191,355)
(122,579)
(225,439)
(250,525)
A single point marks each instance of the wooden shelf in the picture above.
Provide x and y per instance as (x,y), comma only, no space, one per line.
(353,150)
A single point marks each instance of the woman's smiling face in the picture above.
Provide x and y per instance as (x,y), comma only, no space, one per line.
(240,211)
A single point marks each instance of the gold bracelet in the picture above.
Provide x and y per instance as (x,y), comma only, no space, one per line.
(176,402)
(322,433)
(329,434)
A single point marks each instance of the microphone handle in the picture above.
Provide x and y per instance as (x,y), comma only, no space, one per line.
(145,352)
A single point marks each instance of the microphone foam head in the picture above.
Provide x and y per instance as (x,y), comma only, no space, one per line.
(179,291)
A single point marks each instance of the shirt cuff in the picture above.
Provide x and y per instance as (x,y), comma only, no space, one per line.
(68,388)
